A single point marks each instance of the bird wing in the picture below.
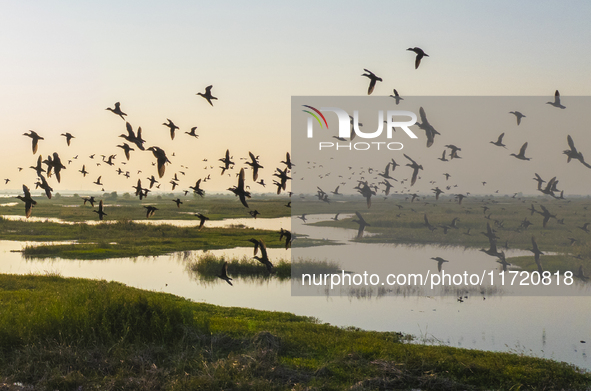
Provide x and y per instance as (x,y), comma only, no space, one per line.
(372,85)
(522,150)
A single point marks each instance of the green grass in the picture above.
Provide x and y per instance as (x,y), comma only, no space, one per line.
(65,334)
(131,208)
(208,267)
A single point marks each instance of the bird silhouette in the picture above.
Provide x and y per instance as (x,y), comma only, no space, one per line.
(161,159)
(239,190)
(287,161)
(372,80)
(440,262)
(499,142)
(150,210)
(396,96)
(35,139)
(207,95)
(420,54)
(68,137)
(518,115)
(202,219)
(362,224)
(416,167)
(178,202)
(44,185)
(227,161)
(556,102)
(264,258)
(288,237)
(101,213)
(521,155)
(254,164)
(117,110)
(172,128)
(126,148)
(192,132)
(427,127)
(28,200)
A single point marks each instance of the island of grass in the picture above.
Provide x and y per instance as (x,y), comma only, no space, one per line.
(72,334)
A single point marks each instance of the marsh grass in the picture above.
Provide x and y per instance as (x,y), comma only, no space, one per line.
(208,266)
(71,334)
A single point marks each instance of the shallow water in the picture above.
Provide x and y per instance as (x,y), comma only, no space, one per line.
(543,326)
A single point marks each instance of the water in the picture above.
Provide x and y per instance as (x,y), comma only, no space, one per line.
(543,326)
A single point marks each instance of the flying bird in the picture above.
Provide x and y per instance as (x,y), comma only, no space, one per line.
(207,95)
(100,210)
(28,200)
(172,128)
(556,102)
(224,273)
(35,139)
(521,155)
(239,190)
(117,110)
(420,54)
(68,137)
(362,224)
(518,115)
(372,80)
(161,159)
(396,96)
(440,262)
(499,142)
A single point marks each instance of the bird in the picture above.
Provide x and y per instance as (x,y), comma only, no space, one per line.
(172,128)
(499,142)
(287,161)
(161,159)
(90,200)
(427,224)
(372,80)
(126,148)
(227,161)
(132,138)
(202,219)
(178,202)
(336,217)
(440,262)
(416,167)
(521,155)
(556,102)
(302,217)
(117,110)
(152,181)
(207,95)
(585,227)
(28,200)
(68,137)
(100,210)
(239,190)
(98,181)
(420,54)
(396,96)
(264,258)
(192,132)
(35,139)
(150,211)
(38,167)
(288,237)
(224,273)
(197,189)
(254,164)
(83,171)
(362,224)
(254,213)
(536,252)
(572,153)
(518,115)
(44,185)
(427,127)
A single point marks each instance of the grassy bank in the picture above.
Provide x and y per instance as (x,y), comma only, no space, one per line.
(69,333)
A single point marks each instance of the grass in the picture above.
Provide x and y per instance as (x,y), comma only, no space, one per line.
(208,267)
(397,220)
(72,334)
(126,239)
(216,207)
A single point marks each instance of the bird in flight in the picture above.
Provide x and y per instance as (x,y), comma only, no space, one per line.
(420,54)
(202,219)
(239,190)
(68,137)
(362,224)
(416,167)
(28,200)
(556,102)
(518,115)
(207,94)
(172,128)
(499,142)
(117,110)
(396,96)
(35,138)
(440,262)
(192,132)
(372,80)
(161,159)
(100,210)
(521,155)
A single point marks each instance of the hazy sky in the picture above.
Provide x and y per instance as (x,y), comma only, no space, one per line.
(64,62)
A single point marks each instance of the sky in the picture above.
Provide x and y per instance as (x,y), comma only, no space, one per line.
(65,62)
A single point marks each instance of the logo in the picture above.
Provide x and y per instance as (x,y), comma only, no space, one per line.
(345,122)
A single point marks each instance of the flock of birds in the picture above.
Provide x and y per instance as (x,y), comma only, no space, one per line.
(53,166)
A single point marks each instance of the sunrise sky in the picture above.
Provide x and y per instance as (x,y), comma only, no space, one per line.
(64,62)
